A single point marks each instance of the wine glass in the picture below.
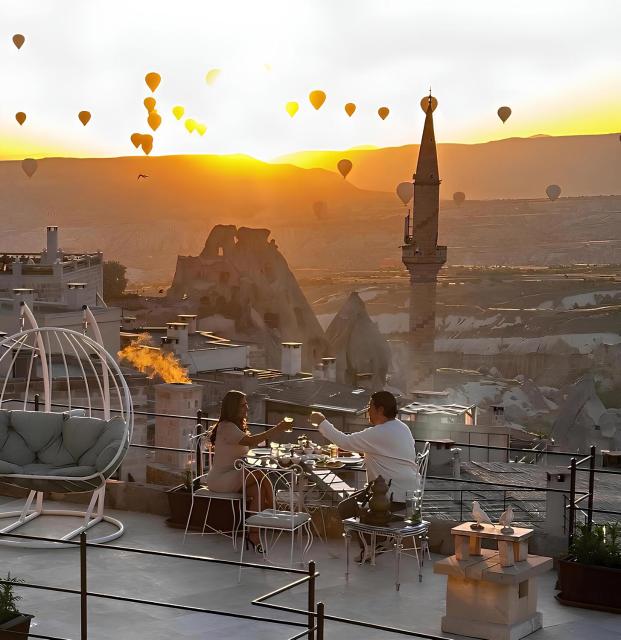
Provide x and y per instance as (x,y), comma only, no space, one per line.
(289,422)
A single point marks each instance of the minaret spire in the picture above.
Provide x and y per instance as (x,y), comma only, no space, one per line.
(423,257)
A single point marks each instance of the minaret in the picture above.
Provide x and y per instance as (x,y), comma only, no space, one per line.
(423,258)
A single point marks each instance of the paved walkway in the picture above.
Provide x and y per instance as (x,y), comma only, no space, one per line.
(369,595)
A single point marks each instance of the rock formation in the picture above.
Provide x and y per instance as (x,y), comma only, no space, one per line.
(242,276)
(358,346)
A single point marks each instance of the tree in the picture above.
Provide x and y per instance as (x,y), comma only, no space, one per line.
(114,280)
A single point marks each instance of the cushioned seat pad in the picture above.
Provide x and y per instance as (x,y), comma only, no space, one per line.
(277,519)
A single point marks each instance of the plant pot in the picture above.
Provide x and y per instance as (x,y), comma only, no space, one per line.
(220,513)
(589,586)
(17,628)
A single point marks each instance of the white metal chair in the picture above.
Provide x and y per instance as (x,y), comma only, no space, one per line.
(70,451)
(284,517)
(200,490)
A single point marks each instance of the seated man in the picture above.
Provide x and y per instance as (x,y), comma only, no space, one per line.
(388,447)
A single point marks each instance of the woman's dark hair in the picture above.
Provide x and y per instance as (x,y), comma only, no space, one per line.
(230,411)
(387,402)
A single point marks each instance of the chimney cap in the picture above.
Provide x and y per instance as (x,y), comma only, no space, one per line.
(23,290)
(76,285)
(293,345)
(328,360)
(52,227)
(190,316)
(174,325)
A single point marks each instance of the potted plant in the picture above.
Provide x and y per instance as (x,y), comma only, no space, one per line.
(590,576)
(180,501)
(13,624)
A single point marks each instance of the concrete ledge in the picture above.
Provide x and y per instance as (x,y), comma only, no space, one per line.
(491,631)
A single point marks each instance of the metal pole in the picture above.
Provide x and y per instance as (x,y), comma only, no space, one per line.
(200,463)
(591,487)
(572,502)
(320,620)
(37,399)
(311,599)
(83,597)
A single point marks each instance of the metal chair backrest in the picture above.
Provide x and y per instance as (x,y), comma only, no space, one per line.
(272,479)
(422,460)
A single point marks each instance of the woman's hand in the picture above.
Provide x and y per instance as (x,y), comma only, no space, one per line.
(283,425)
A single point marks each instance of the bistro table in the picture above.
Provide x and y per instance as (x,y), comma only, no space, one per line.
(395,532)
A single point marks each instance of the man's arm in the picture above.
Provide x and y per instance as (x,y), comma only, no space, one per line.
(365,440)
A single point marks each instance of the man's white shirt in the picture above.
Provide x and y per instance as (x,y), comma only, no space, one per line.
(389,452)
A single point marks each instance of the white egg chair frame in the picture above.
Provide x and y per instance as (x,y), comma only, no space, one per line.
(65,360)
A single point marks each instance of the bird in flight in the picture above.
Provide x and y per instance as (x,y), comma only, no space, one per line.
(142,175)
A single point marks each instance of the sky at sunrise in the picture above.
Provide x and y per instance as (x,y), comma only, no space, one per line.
(554,62)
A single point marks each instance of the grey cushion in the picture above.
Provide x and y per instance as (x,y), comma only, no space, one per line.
(277,519)
(15,450)
(37,428)
(73,471)
(114,432)
(7,467)
(4,426)
(80,434)
(55,444)
(56,454)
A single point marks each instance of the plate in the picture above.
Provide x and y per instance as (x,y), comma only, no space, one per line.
(259,451)
(353,459)
(327,466)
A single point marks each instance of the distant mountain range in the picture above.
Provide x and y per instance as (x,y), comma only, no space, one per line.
(511,168)
(317,218)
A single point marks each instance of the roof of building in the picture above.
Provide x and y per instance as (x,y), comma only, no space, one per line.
(318,394)
(439,409)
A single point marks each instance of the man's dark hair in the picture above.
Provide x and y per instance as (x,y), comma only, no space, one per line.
(387,401)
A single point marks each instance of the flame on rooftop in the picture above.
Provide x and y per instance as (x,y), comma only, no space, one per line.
(154,362)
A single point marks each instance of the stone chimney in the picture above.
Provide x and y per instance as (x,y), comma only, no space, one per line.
(319,372)
(291,358)
(190,320)
(76,295)
(178,331)
(51,250)
(329,369)
(175,399)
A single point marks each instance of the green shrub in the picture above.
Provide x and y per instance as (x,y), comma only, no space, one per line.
(9,599)
(600,545)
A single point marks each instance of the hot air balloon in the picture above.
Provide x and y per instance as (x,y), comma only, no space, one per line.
(383,112)
(29,166)
(553,191)
(212,76)
(201,128)
(154,120)
(84,117)
(147,143)
(292,108)
(405,191)
(459,197)
(344,166)
(424,103)
(350,107)
(178,112)
(504,113)
(20,116)
(190,125)
(136,139)
(149,104)
(18,40)
(153,80)
(317,98)
(318,209)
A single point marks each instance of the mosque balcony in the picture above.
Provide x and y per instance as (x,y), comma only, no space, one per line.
(410,254)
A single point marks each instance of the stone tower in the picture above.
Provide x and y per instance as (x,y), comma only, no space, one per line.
(423,258)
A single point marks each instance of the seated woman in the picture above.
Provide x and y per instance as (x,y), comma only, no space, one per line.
(231,440)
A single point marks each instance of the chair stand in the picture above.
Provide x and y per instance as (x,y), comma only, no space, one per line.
(213,530)
(91,517)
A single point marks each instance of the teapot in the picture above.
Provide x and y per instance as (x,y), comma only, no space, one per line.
(378,511)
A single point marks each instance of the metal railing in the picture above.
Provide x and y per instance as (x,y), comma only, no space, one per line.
(312,628)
